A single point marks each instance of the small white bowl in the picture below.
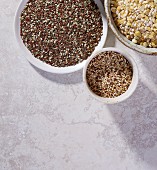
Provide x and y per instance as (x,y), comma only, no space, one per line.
(132,86)
(122,38)
(44,66)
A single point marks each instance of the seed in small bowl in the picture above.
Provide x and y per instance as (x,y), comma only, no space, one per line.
(110,75)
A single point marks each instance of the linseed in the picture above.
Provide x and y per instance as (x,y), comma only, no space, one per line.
(61,33)
(109,74)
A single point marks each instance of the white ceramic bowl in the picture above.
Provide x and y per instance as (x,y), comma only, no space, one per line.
(132,86)
(122,38)
(44,66)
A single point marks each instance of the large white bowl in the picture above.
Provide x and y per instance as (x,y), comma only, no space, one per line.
(132,86)
(44,66)
(121,37)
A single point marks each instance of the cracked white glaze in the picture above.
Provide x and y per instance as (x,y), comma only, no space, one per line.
(50,122)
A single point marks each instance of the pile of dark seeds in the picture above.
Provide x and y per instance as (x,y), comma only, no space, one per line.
(109,74)
(61,32)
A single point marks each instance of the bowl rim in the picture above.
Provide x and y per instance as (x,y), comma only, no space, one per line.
(121,37)
(46,67)
(132,86)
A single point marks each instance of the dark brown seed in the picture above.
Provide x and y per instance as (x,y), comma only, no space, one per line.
(61,33)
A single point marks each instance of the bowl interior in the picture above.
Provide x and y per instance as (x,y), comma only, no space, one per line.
(45,66)
(122,38)
(132,86)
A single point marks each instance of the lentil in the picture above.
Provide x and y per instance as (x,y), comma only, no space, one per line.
(137,20)
(61,33)
(109,74)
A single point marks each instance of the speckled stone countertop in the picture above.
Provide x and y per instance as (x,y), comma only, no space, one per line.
(50,122)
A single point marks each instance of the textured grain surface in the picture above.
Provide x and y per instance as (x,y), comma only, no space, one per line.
(61,33)
(49,122)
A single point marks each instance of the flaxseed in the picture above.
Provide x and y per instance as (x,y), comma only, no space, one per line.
(61,33)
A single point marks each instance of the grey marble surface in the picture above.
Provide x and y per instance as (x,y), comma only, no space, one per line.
(50,122)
